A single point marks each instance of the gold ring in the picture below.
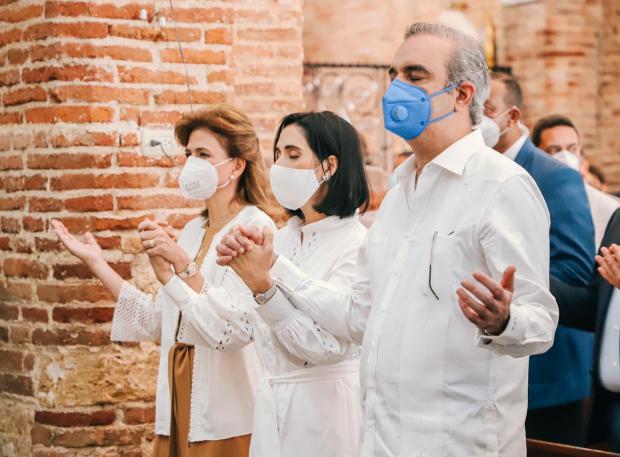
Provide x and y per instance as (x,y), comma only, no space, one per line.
(150,244)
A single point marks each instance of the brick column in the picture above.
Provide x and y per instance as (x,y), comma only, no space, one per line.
(78,82)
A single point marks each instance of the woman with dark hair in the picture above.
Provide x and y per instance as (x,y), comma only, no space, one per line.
(208,368)
(308,403)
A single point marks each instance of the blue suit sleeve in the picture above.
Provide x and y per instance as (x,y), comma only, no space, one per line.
(572,231)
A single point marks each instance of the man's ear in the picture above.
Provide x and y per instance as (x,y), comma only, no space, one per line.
(464,98)
(514,116)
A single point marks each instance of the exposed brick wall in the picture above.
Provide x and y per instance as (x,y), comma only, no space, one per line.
(78,81)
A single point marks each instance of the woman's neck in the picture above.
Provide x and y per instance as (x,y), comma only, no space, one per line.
(311,215)
(221,210)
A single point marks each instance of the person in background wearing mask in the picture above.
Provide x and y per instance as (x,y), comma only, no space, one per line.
(308,401)
(208,368)
(558,136)
(379,181)
(559,380)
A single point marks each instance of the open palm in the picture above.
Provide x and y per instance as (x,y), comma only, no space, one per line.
(87,250)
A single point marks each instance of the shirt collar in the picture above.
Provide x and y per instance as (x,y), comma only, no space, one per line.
(327,223)
(513,151)
(453,158)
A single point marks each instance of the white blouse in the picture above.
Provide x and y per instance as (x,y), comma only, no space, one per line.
(226,369)
(308,402)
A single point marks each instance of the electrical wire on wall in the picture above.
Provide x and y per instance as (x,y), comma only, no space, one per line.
(176,32)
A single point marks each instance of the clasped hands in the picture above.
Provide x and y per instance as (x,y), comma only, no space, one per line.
(160,243)
(249,252)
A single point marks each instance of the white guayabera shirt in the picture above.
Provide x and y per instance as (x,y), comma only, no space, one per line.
(433,384)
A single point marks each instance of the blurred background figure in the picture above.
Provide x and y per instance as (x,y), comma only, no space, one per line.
(556,407)
(558,136)
(596,178)
(379,181)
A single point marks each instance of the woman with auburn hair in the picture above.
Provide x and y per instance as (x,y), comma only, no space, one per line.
(208,368)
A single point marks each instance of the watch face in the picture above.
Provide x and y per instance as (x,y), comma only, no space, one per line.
(191,268)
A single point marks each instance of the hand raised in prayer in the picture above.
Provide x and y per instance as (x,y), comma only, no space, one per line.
(250,260)
(488,307)
(609,264)
(159,242)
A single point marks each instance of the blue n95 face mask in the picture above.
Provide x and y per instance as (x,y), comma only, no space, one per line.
(407,109)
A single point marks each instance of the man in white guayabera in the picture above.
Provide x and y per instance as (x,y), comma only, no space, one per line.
(445,355)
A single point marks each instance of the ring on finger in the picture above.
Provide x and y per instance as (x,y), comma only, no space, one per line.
(150,244)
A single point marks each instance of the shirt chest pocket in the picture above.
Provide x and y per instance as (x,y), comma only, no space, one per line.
(443,257)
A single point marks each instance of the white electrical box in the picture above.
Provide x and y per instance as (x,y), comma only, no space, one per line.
(157,142)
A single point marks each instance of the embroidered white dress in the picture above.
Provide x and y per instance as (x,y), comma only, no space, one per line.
(308,403)
(226,370)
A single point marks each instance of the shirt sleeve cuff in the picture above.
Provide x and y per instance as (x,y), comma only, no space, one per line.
(513,334)
(286,275)
(180,294)
(277,312)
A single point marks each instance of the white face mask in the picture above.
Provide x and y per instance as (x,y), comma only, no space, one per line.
(490,130)
(568,158)
(293,187)
(199,178)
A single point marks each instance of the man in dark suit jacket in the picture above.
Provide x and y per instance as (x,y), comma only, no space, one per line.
(559,380)
(587,309)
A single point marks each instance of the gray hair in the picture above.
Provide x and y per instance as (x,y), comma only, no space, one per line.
(466,64)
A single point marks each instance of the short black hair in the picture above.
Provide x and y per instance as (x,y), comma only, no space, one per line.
(514,94)
(328,134)
(548,122)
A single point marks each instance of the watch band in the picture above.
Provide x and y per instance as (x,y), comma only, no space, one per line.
(189,271)
(264,297)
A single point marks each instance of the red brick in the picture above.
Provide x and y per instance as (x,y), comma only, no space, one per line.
(107,181)
(129,159)
(90,203)
(159,117)
(149,33)
(10,118)
(145,75)
(94,94)
(34,314)
(9,77)
(155,202)
(109,242)
(180,220)
(170,97)
(4,334)
(17,56)
(23,245)
(89,51)
(21,14)
(66,30)
(44,204)
(201,15)
(19,334)
(9,224)
(218,36)
(69,161)
(84,138)
(5,243)
(16,290)
(66,73)
(47,244)
(75,419)
(222,76)
(71,114)
(10,36)
(66,293)
(12,162)
(94,315)
(129,139)
(25,268)
(8,313)
(64,336)
(12,360)
(12,203)
(276,34)
(256,89)
(204,56)
(19,385)
(33,224)
(40,434)
(108,10)
(139,415)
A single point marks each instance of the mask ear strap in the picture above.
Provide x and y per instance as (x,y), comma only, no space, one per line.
(449,113)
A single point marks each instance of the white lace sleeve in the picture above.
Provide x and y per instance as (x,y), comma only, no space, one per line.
(301,340)
(136,316)
(219,317)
